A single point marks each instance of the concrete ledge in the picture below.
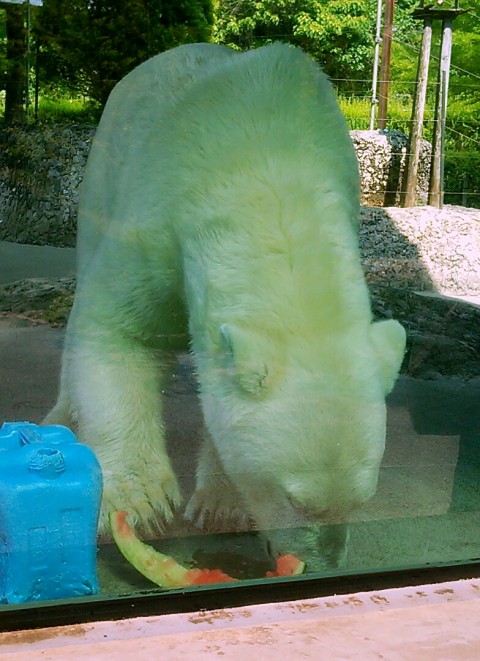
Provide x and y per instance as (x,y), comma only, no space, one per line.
(19,261)
(431,622)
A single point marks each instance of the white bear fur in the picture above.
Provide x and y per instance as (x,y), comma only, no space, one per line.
(219,206)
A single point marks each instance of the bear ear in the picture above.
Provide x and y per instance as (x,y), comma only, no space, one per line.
(241,355)
(388,339)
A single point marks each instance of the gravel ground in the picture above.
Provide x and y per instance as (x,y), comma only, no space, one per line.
(422,248)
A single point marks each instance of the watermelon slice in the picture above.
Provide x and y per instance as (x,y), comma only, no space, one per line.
(165,571)
(159,568)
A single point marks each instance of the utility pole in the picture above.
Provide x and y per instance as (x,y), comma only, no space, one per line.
(385,64)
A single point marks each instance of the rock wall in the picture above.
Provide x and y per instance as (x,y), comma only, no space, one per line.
(382,159)
(41,169)
(40,172)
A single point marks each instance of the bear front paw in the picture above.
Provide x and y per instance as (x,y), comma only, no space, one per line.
(150,496)
(212,510)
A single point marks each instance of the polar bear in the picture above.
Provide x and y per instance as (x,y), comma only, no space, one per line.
(219,211)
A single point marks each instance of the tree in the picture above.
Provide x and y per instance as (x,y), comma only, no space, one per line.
(15,66)
(337,33)
(465,74)
(92,44)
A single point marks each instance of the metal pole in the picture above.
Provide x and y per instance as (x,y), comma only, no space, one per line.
(376,57)
(385,64)
(435,196)
(418,111)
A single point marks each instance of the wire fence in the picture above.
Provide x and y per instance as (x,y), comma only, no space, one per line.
(462,166)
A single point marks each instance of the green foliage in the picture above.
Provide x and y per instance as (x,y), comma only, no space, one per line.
(463,121)
(465,71)
(91,44)
(462,178)
(337,33)
(465,49)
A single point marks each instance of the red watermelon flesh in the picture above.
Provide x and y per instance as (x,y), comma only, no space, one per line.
(287,565)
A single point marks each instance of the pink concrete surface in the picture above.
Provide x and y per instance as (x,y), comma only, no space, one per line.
(432,622)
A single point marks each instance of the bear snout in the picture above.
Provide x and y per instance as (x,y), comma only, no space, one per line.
(309,510)
(336,512)
(332,504)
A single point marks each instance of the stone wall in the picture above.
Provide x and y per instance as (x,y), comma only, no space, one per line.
(41,169)
(40,172)
(382,158)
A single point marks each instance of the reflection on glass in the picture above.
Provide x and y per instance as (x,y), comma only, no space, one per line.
(232,355)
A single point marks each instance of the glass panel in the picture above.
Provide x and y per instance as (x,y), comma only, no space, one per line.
(220,360)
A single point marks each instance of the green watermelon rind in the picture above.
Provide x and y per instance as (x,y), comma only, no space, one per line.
(159,568)
(166,572)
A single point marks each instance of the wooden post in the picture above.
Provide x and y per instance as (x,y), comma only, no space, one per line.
(385,64)
(418,111)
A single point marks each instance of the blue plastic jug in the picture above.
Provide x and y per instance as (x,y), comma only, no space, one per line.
(50,495)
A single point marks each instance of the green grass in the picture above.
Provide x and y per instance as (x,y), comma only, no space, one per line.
(66,109)
(357,113)
(463,119)
(57,110)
